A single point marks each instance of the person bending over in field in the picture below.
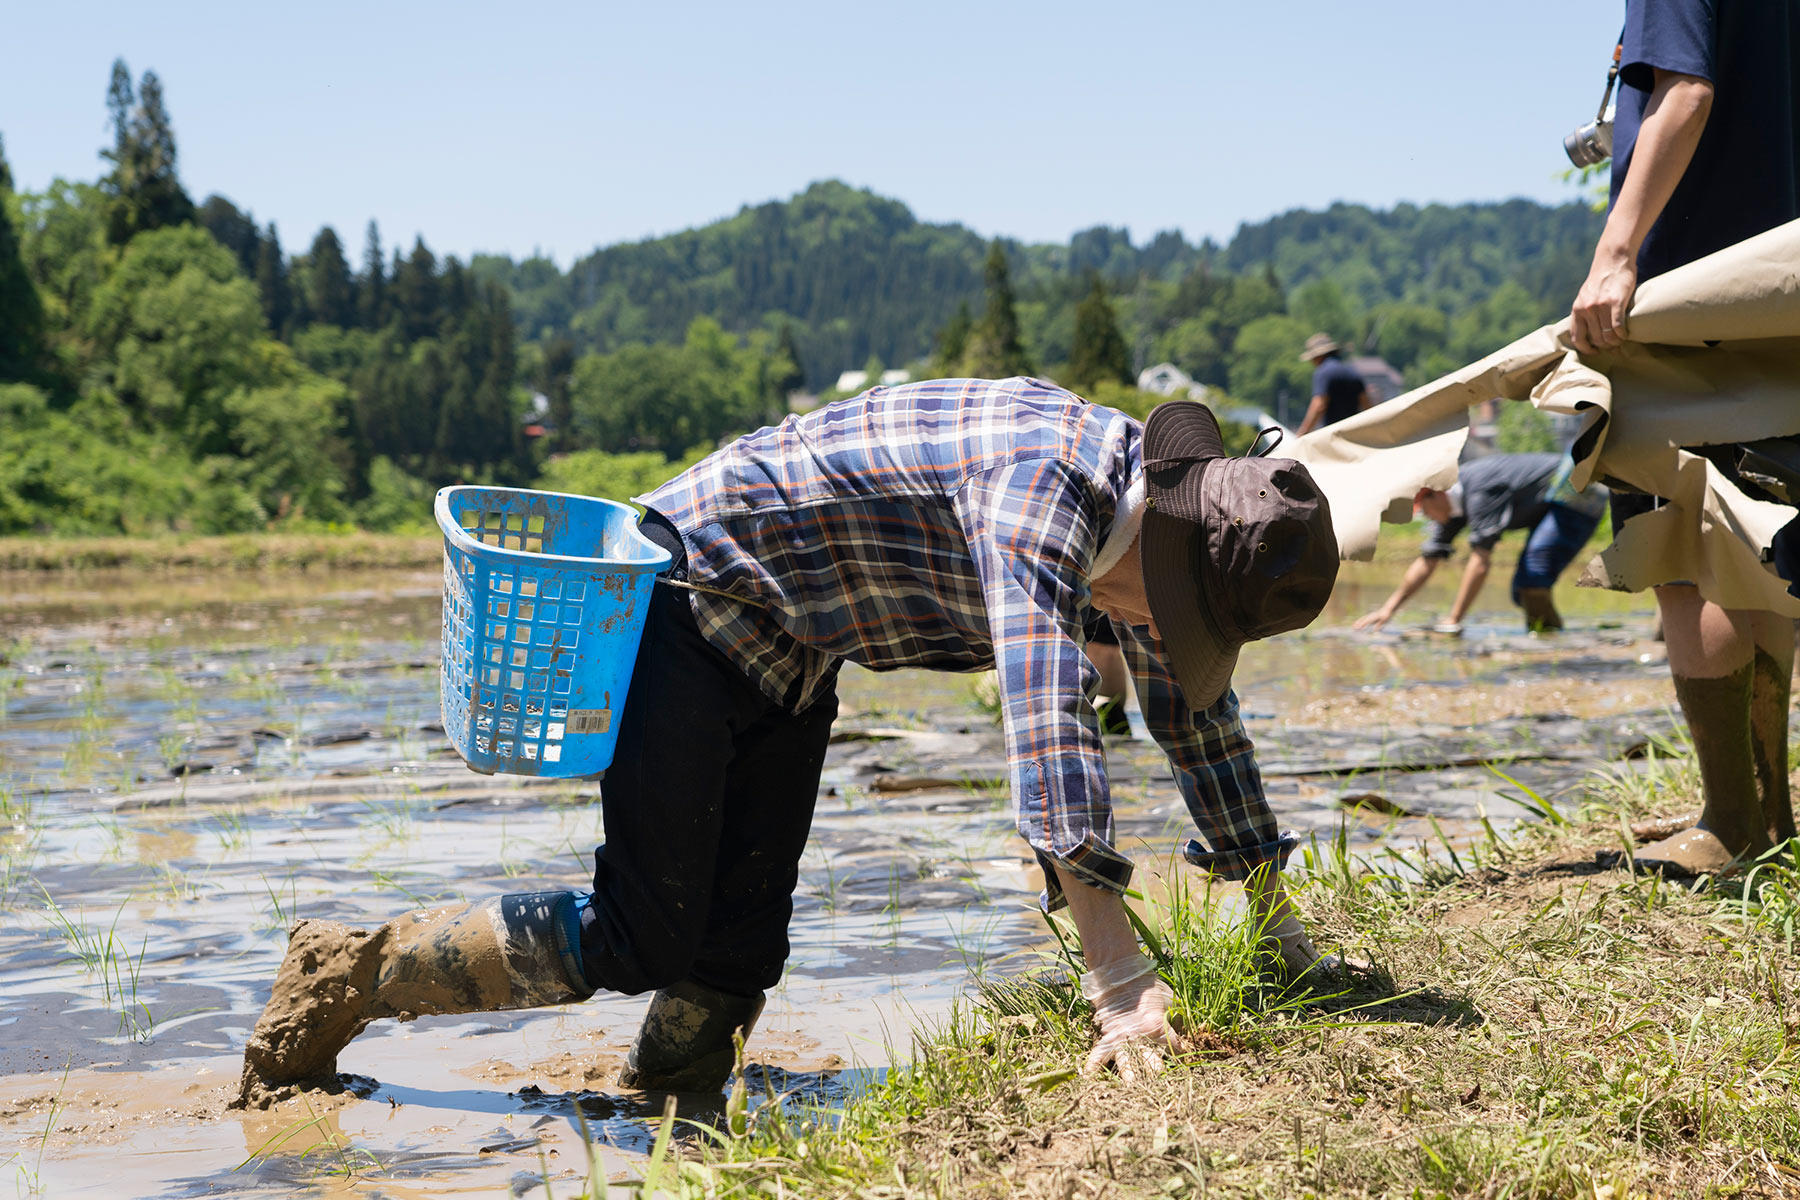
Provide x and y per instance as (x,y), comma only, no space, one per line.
(1493,495)
(959,525)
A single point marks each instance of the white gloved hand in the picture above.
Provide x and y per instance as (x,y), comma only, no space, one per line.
(1131,1007)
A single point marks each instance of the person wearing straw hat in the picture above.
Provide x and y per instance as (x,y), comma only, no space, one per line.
(1337,390)
(954,524)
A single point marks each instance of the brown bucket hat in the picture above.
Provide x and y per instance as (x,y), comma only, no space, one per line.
(1317,346)
(1233,549)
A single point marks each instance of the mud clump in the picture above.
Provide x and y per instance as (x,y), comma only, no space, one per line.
(320,1001)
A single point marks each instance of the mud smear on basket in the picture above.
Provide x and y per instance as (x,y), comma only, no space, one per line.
(191,769)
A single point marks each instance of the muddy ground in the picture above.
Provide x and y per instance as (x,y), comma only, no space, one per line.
(190,763)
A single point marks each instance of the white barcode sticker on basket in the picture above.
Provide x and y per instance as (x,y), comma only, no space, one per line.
(590,720)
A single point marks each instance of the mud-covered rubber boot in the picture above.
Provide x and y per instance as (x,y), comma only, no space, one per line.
(684,1044)
(1540,612)
(510,952)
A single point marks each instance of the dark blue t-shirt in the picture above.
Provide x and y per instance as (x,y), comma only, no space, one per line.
(1745,174)
(1342,387)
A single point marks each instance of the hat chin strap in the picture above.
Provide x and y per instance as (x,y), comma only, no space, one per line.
(1126,520)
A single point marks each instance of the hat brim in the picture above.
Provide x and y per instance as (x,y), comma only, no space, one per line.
(1318,351)
(1180,441)
(1201,657)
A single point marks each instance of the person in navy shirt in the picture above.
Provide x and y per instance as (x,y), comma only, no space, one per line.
(1337,390)
(1704,156)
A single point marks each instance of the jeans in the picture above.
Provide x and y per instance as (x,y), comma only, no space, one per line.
(1555,540)
(707,806)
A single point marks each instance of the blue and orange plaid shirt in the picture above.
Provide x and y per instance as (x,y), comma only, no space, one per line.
(951,525)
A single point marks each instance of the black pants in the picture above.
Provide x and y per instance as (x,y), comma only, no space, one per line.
(707,804)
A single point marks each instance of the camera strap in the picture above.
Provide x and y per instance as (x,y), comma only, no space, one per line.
(1612,77)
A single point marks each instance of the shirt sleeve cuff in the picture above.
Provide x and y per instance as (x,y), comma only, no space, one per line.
(1243,861)
(1093,862)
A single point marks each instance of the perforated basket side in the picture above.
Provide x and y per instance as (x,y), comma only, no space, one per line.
(529,642)
(539,644)
(456,688)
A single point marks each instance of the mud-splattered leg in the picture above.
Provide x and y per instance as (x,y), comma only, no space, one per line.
(1770,692)
(515,951)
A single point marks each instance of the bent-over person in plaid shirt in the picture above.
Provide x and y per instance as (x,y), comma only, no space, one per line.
(957,525)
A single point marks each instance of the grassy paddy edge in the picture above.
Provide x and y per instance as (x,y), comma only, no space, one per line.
(259,551)
(1529,1026)
(246,551)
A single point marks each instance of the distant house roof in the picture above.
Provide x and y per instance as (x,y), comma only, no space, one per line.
(1167,379)
(1379,376)
(856,381)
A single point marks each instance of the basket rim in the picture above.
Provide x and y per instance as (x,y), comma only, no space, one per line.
(454,532)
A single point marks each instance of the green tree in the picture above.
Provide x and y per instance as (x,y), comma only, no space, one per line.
(1521,429)
(330,292)
(1506,314)
(671,399)
(21,309)
(173,331)
(952,342)
(995,350)
(272,282)
(1099,350)
(793,377)
(371,286)
(1266,368)
(143,186)
(232,229)
(416,297)
(1192,346)
(67,255)
(614,476)
(553,380)
(1405,333)
(1321,306)
(284,448)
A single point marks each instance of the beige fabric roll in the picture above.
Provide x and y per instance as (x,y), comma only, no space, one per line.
(1712,355)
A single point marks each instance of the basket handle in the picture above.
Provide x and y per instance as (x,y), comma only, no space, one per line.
(690,586)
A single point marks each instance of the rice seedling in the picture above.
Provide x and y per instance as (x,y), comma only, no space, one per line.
(16,808)
(31,1179)
(231,826)
(891,914)
(284,904)
(393,815)
(106,957)
(828,893)
(387,881)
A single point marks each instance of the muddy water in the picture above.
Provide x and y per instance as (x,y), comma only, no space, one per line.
(187,765)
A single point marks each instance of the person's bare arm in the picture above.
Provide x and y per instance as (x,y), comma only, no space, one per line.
(1315,412)
(1673,121)
(1474,575)
(1414,579)
(1363,401)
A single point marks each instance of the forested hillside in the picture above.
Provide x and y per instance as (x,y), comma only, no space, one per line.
(167,365)
(854,276)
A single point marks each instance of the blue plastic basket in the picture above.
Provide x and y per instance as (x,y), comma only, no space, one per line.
(545,596)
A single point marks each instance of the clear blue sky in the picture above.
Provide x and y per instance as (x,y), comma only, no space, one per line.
(509,127)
